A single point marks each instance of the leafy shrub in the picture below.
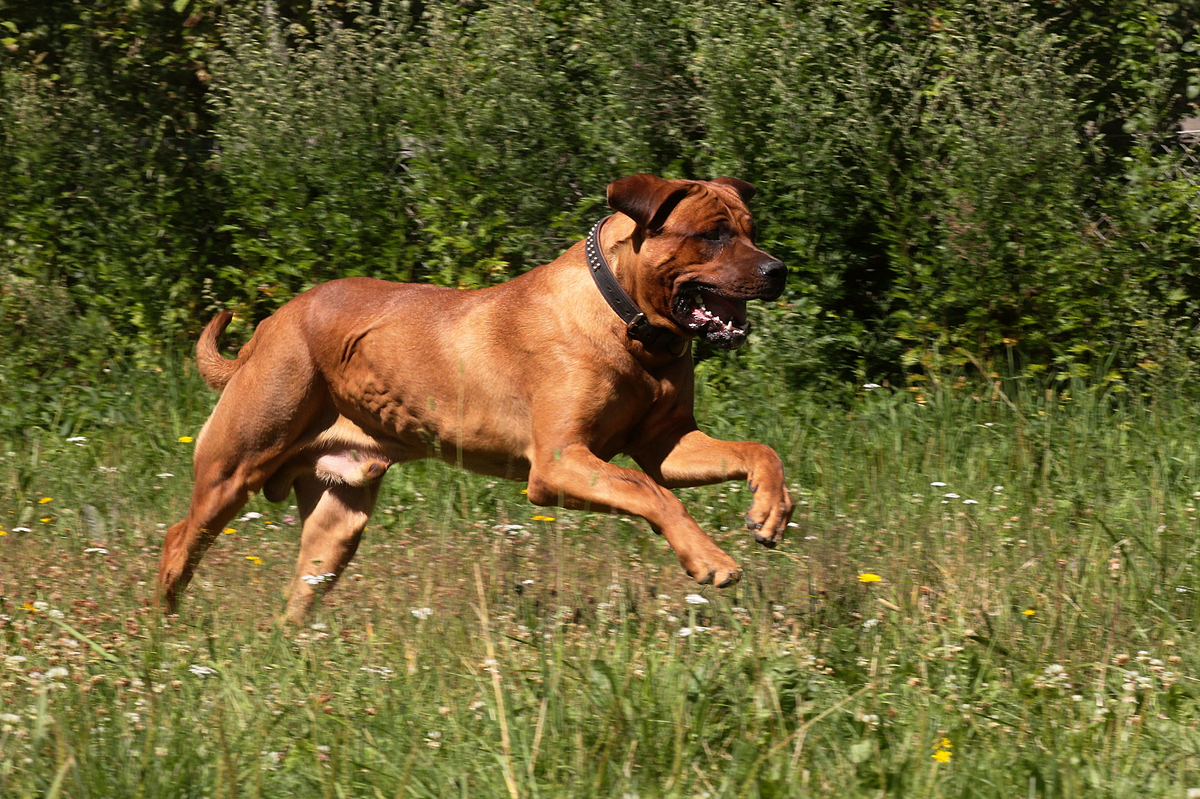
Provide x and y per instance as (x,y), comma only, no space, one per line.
(965,182)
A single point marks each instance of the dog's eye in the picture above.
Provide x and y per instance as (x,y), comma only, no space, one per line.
(716,234)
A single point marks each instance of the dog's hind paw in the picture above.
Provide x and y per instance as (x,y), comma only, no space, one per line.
(720,576)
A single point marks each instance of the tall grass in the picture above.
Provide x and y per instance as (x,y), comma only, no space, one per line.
(1038,640)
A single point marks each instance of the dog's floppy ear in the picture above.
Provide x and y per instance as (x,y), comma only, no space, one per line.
(745,190)
(646,199)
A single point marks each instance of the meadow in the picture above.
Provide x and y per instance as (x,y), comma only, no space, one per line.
(989,591)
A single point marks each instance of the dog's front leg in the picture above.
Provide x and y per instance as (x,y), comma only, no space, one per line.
(573,477)
(690,458)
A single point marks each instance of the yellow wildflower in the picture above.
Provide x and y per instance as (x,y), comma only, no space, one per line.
(947,743)
(1028,612)
(3,532)
(44,500)
(941,756)
(257,561)
(229,531)
(869,578)
(186,439)
(46,519)
(543,518)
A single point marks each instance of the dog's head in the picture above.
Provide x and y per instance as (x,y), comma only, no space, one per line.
(696,262)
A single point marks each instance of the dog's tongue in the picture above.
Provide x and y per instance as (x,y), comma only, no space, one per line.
(725,310)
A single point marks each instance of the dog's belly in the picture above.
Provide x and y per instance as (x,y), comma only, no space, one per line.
(476,442)
(347,452)
(480,432)
(336,463)
(491,463)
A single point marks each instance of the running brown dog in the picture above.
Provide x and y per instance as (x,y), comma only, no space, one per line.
(544,378)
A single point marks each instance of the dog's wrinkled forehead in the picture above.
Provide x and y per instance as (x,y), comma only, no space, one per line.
(651,201)
(709,206)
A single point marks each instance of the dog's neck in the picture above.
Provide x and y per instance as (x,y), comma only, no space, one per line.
(637,327)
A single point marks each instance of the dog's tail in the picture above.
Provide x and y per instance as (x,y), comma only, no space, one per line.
(215,370)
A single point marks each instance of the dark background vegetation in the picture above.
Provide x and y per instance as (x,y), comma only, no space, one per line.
(951,183)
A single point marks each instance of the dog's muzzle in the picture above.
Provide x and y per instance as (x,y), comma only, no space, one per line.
(718,316)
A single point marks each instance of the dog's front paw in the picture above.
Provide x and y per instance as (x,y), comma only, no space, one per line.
(769,515)
(712,568)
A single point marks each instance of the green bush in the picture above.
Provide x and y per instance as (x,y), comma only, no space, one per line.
(983,180)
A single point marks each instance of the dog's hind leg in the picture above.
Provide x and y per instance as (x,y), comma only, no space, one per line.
(216,497)
(258,418)
(334,516)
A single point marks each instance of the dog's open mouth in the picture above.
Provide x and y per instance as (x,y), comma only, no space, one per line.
(718,319)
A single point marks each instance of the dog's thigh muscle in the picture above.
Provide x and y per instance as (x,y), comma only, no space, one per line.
(267,404)
(334,517)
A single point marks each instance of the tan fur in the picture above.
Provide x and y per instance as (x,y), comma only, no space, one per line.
(215,370)
(534,379)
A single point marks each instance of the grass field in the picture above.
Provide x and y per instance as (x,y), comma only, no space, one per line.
(1032,632)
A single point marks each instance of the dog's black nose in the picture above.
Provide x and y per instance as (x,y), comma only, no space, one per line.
(774,273)
(773,270)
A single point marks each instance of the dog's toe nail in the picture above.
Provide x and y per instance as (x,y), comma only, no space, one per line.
(767,541)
